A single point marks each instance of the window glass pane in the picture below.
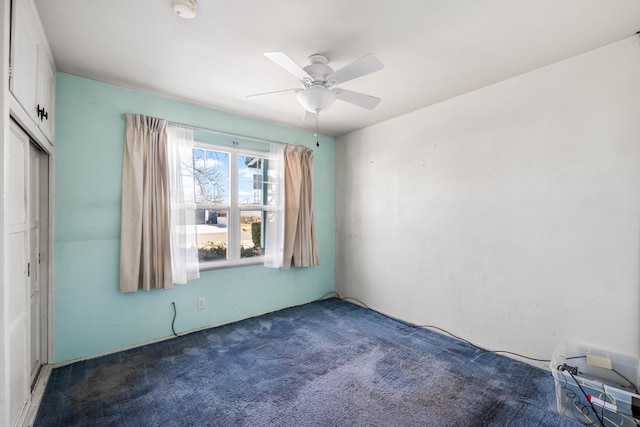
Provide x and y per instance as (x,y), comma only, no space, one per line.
(251,173)
(211,176)
(213,236)
(219,210)
(251,233)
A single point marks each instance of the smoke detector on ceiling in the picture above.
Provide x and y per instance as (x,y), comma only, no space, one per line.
(184,8)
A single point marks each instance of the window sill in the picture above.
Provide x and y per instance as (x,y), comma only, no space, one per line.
(218,265)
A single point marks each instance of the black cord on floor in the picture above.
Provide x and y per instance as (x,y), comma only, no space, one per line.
(626,379)
(175,313)
(434,327)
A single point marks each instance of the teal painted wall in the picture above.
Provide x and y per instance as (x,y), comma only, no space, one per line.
(91,315)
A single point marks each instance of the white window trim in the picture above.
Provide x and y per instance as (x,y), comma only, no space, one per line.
(233,209)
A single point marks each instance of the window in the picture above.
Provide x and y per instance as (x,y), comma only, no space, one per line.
(235,199)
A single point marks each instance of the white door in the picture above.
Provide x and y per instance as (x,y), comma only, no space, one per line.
(16,279)
(26,277)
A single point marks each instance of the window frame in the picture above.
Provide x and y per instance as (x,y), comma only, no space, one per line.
(234,209)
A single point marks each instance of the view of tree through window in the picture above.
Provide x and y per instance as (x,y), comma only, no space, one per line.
(211,175)
(231,195)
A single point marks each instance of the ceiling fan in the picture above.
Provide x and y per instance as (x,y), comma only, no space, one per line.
(319,82)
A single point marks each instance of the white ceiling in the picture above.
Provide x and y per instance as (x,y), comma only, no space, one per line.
(432,49)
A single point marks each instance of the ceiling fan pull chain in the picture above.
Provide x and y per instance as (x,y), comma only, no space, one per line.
(317,116)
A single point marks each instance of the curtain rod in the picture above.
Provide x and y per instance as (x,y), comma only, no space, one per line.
(233,135)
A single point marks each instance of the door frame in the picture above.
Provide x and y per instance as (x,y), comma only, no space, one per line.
(46,266)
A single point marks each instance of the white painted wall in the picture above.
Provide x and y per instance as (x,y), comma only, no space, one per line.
(509,216)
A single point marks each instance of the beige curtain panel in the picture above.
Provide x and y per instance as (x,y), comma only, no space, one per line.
(145,257)
(299,232)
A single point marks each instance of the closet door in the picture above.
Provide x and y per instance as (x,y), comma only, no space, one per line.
(16,279)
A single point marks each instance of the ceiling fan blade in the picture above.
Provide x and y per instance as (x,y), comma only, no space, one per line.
(288,64)
(275,91)
(360,99)
(363,66)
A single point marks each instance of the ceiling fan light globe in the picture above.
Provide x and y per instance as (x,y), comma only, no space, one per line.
(316,99)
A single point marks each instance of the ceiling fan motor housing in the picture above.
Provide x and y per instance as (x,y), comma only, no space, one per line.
(318,70)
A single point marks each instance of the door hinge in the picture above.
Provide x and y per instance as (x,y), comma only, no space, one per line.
(28,269)
(10,71)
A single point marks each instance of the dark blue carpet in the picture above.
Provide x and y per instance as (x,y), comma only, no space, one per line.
(327,363)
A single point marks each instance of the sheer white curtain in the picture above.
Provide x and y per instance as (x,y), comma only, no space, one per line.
(184,245)
(274,233)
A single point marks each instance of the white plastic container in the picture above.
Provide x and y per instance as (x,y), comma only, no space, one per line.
(595,386)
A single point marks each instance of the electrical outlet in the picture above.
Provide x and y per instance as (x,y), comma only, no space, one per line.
(202,303)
